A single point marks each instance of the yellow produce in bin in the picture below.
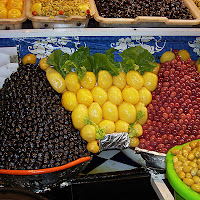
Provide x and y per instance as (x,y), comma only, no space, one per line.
(149,21)
(13,14)
(3,13)
(54,16)
(2,5)
(4,2)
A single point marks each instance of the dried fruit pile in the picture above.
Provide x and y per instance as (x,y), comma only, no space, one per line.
(173,114)
(35,130)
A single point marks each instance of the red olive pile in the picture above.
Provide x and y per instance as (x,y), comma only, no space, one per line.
(174,113)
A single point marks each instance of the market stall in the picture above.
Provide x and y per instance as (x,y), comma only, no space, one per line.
(118,163)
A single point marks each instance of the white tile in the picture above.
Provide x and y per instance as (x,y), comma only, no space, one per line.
(9,50)
(6,71)
(111,166)
(108,154)
(4,59)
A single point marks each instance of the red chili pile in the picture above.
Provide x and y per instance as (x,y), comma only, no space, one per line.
(174,113)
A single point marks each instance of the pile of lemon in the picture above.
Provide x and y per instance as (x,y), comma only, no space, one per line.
(11,9)
(110,103)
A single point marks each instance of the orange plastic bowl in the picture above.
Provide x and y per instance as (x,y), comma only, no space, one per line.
(41,179)
(44,171)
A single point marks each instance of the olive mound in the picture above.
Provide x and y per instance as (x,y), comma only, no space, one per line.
(36,131)
(172,9)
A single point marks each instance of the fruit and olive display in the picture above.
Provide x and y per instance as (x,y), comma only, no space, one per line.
(104,96)
(172,9)
(60,8)
(107,96)
(11,9)
(61,109)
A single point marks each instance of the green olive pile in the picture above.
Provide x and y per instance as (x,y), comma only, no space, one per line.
(187,164)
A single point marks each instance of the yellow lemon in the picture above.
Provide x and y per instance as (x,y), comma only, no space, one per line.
(121,126)
(138,129)
(104,79)
(56,80)
(4,2)
(15,5)
(145,96)
(134,141)
(16,1)
(184,54)
(36,7)
(198,68)
(88,133)
(95,112)
(115,95)
(127,112)
(3,13)
(108,125)
(72,82)
(29,58)
(110,111)
(93,146)
(69,101)
(130,94)
(43,64)
(198,65)
(150,81)
(134,79)
(84,7)
(88,81)
(84,96)
(14,13)
(99,95)
(167,56)
(2,5)
(120,80)
(140,106)
(78,116)
(156,69)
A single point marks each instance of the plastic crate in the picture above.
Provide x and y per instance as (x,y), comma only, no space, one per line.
(40,22)
(6,24)
(149,21)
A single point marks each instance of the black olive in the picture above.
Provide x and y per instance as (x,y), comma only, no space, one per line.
(36,131)
(119,9)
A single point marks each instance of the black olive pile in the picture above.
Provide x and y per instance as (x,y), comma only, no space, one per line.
(172,9)
(36,131)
